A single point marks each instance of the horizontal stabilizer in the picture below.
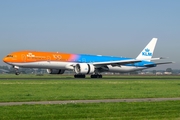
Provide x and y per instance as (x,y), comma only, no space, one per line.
(156,58)
(164,63)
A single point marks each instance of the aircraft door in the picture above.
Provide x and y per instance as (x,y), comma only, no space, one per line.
(48,58)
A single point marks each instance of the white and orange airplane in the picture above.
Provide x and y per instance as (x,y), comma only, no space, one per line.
(82,64)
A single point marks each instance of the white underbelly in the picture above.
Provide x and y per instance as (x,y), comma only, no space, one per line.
(45,64)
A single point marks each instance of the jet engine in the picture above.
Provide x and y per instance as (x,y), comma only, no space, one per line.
(84,68)
(55,71)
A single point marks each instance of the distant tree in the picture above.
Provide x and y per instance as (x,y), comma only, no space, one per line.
(11,69)
(4,67)
(134,73)
(169,70)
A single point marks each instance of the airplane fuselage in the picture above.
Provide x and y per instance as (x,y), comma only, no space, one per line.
(55,60)
(82,64)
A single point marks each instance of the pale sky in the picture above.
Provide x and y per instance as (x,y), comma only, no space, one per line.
(106,27)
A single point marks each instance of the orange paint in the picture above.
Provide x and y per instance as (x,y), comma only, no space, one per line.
(34,56)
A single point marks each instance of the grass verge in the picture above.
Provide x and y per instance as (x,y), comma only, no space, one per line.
(46,89)
(135,110)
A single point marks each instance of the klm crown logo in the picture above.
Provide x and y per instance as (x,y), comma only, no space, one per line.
(147,52)
(30,55)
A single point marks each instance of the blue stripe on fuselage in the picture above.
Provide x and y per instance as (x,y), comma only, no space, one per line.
(98,58)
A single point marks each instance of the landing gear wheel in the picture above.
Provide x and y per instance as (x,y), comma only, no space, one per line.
(17,73)
(79,76)
(96,76)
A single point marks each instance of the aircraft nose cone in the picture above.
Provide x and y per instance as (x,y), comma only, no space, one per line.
(4,59)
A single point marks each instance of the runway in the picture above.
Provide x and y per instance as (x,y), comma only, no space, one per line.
(88,101)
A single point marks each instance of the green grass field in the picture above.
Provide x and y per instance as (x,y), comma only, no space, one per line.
(169,110)
(42,88)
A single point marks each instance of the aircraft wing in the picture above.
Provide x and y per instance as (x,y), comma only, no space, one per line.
(129,61)
(116,63)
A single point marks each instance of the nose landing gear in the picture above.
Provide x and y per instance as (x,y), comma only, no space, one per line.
(16,70)
(17,73)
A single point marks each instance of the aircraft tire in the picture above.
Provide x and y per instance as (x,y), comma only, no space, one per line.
(96,76)
(79,76)
(17,73)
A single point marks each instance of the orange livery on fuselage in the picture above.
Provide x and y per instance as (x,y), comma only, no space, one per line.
(82,64)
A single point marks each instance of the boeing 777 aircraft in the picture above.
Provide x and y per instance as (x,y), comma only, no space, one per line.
(82,64)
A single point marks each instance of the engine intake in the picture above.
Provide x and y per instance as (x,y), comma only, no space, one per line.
(84,68)
(55,71)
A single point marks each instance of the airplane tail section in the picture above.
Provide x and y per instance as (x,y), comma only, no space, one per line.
(147,52)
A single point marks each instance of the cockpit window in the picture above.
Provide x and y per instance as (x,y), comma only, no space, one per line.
(9,56)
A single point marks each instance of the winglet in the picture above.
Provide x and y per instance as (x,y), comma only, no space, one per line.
(147,52)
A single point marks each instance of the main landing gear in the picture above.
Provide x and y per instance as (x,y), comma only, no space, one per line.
(79,76)
(84,76)
(96,76)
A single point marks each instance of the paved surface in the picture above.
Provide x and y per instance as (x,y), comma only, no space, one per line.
(89,101)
